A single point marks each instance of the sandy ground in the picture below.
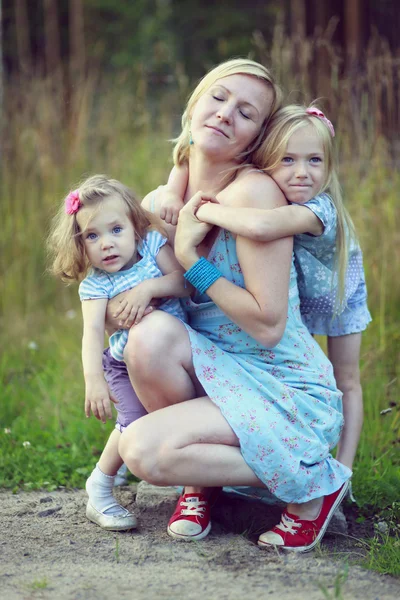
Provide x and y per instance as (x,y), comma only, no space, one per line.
(49,550)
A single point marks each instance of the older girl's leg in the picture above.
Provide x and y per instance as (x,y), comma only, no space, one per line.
(344,353)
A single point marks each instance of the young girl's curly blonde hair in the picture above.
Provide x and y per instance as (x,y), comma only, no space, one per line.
(268,157)
(65,244)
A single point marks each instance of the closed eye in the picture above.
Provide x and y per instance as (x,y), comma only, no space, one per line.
(218,98)
(244,115)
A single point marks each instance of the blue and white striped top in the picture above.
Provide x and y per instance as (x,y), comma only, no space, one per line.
(100,284)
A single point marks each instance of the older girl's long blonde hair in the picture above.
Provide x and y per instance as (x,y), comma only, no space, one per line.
(268,157)
(236,66)
(65,244)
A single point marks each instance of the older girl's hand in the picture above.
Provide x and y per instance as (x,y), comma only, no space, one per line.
(190,232)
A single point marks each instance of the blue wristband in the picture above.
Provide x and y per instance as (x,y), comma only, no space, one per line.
(202,274)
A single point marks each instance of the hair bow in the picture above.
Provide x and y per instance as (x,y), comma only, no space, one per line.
(315,112)
(72,203)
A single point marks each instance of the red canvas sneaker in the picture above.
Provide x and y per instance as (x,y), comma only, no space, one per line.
(300,535)
(191,519)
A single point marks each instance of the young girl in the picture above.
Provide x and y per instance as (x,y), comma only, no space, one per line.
(103,236)
(299,155)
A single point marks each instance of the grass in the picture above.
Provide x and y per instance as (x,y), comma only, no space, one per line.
(113,127)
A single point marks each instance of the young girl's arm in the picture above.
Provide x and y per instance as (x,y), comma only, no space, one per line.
(261,225)
(97,397)
(173,193)
(172,283)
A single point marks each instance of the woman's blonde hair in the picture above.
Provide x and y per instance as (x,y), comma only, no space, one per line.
(268,157)
(65,244)
(236,66)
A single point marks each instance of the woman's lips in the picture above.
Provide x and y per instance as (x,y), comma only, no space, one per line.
(217,130)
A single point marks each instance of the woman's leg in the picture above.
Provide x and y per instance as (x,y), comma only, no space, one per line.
(185,444)
(158,356)
(344,353)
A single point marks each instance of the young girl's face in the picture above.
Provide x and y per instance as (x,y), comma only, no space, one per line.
(108,235)
(302,171)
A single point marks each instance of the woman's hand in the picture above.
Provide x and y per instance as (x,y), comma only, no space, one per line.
(190,232)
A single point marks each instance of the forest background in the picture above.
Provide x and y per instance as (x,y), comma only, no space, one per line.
(99,86)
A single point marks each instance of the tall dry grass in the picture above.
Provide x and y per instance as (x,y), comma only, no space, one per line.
(56,134)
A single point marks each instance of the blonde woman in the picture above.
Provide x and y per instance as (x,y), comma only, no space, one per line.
(243,395)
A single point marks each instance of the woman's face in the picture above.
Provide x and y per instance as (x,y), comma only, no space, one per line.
(229,115)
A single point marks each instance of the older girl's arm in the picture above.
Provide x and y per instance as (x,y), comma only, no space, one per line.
(260,224)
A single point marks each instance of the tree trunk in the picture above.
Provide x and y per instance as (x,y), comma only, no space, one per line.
(52,36)
(77,58)
(23,37)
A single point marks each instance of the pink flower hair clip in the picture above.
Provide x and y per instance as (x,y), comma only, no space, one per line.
(315,112)
(72,203)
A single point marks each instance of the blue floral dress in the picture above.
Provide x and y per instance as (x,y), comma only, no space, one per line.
(281,402)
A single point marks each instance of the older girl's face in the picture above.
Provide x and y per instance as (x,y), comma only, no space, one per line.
(229,115)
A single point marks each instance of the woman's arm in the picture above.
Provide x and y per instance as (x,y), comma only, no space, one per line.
(259,224)
(261,308)
(97,397)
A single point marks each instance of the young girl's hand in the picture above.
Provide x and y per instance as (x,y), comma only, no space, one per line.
(134,304)
(171,204)
(98,399)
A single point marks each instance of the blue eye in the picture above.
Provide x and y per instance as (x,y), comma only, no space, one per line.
(287,160)
(117,229)
(316,160)
(91,236)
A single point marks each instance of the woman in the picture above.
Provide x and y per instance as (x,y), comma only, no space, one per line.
(244,395)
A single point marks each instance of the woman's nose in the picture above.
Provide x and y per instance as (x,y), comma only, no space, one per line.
(225,113)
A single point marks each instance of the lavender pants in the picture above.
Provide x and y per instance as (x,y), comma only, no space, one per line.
(129,408)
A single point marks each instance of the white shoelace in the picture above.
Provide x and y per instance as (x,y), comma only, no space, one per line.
(193,508)
(288,525)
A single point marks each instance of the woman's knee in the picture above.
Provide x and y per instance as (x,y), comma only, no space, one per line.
(145,456)
(158,335)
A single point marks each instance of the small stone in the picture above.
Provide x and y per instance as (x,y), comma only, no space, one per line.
(49,511)
(46,500)
(382,527)
(338,523)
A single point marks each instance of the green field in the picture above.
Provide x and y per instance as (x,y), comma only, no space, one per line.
(45,440)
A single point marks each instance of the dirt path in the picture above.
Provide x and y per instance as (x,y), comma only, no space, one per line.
(49,550)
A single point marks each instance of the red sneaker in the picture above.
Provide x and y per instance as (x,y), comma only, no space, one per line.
(300,535)
(191,519)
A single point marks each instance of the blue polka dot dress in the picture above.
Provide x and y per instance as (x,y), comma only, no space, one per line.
(315,265)
(281,402)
